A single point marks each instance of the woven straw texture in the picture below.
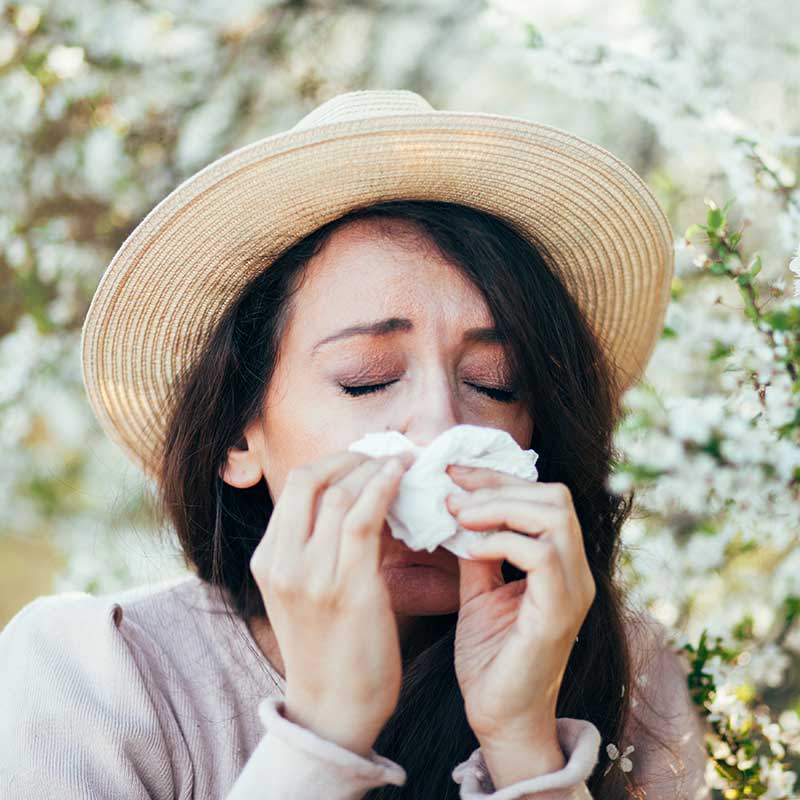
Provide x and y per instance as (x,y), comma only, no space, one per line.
(594,220)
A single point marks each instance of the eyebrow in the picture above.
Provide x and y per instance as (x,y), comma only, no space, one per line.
(384,327)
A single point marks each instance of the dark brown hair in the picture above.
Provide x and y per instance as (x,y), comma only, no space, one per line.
(569,390)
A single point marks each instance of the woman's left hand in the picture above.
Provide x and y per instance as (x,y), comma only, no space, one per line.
(513,640)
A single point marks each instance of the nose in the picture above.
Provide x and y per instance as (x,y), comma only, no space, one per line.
(433,410)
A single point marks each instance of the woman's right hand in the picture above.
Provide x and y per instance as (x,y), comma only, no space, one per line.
(318,569)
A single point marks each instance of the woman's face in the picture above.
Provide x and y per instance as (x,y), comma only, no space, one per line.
(359,278)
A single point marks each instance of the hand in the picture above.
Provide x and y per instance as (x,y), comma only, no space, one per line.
(318,569)
(513,640)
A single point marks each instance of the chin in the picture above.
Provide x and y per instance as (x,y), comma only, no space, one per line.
(422,591)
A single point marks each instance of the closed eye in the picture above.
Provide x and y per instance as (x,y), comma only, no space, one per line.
(501,395)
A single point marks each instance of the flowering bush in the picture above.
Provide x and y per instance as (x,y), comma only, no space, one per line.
(114,104)
(736,532)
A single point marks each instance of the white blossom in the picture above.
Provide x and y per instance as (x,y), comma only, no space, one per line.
(66,62)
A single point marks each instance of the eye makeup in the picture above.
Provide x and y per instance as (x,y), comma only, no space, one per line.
(495,393)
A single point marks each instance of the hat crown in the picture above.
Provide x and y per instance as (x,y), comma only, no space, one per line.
(594,221)
(365,103)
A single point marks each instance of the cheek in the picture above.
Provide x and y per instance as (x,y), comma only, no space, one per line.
(294,439)
(507,417)
(304,446)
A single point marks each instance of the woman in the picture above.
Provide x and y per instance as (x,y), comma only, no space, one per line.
(381,266)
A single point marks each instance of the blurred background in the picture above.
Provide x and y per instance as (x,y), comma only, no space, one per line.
(109,105)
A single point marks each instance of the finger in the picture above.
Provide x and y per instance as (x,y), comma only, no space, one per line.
(483,476)
(478,477)
(468,498)
(546,582)
(532,519)
(355,480)
(477,577)
(322,547)
(360,542)
(557,523)
(296,505)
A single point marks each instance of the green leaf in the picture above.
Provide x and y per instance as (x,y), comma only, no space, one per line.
(718,268)
(692,230)
(777,320)
(792,612)
(751,313)
(745,628)
(719,351)
(716,217)
(702,650)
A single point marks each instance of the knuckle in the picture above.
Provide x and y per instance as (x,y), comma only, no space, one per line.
(322,593)
(372,469)
(359,526)
(259,561)
(284,582)
(337,497)
(362,584)
(564,515)
(549,551)
(566,494)
(256,565)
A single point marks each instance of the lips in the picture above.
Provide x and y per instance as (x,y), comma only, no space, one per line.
(405,563)
(404,556)
(411,558)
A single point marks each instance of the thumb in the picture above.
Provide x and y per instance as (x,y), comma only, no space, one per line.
(477,577)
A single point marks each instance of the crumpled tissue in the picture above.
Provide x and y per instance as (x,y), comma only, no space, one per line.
(419,515)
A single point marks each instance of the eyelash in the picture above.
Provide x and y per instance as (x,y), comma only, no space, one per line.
(499,395)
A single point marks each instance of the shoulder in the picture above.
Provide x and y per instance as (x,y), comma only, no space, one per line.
(80,702)
(71,625)
(85,633)
(664,725)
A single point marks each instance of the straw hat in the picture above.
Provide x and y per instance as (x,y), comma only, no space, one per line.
(593,219)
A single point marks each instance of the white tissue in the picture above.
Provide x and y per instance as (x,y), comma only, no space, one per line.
(419,515)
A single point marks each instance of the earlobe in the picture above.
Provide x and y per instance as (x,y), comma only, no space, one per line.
(242,468)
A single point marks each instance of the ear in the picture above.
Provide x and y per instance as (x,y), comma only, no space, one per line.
(242,467)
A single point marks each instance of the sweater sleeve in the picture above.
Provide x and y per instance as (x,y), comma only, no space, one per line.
(77,721)
(664,726)
(293,763)
(580,742)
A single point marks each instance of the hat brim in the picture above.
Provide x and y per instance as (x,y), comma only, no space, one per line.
(594,220)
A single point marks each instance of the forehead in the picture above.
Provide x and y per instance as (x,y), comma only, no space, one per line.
(365,271)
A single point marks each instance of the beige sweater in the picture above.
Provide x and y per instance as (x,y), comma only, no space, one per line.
(154,693)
